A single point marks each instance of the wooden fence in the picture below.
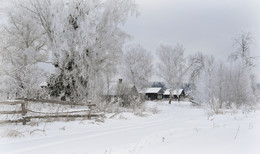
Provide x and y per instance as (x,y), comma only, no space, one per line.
(24,118)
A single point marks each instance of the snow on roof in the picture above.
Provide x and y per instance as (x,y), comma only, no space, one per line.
(44,84)
(177,91)
(167,92)
(152,90)
(114,88)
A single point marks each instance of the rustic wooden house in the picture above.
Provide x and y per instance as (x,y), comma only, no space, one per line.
(153,93)
(166,94)
(178,94)
(44,85)
(119,89)
(122,92)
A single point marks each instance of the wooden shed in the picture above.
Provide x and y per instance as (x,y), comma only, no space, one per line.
(178,94)
(166,94)
(153,93)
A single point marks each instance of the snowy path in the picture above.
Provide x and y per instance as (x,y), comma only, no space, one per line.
(178,128)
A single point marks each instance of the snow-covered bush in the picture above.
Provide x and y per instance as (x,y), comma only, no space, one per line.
(121,102)
(224,85)
(11,133)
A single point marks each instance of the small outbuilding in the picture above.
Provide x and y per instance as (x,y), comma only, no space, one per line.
(178,94)
(119,89)
(120,92)
(166,94)
(153,93)
(44,84)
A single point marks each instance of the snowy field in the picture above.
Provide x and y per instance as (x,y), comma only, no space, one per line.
(177,128)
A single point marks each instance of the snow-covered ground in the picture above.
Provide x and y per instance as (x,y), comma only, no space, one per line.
(177,128)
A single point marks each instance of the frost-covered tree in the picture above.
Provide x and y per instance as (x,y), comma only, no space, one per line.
(243,56)
(22,47)
(138,67)
(222,85)
(244,59)
(242,44)
(196,64)
(172,66)
(83,37)
(204,85)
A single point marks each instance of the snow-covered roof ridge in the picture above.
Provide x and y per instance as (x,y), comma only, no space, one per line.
(43,84)
(167,92)
(152,90)
(113,88)
(177,91)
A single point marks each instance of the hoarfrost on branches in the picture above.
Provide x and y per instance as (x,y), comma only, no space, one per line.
(138,67)
(23,45)
(172,66)
(83,37)
(222,85)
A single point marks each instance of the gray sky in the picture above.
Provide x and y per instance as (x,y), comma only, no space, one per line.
(208,26)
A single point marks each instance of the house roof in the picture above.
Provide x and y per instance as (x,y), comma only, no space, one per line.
(177,91)
(151,90)
(167,92)
(116,88)
(44,84)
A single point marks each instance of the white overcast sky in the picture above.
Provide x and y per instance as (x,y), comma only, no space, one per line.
(208,26)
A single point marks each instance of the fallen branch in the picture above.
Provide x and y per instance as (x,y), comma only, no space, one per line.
(237,132)
(193,102)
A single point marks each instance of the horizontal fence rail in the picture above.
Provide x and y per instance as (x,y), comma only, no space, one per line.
(25,117)
(54,102)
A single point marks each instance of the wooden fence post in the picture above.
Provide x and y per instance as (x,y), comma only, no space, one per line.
(24,111)
(90,108)
(89,113)
(170,99)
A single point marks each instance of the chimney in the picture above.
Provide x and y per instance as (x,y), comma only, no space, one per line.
(120,80)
